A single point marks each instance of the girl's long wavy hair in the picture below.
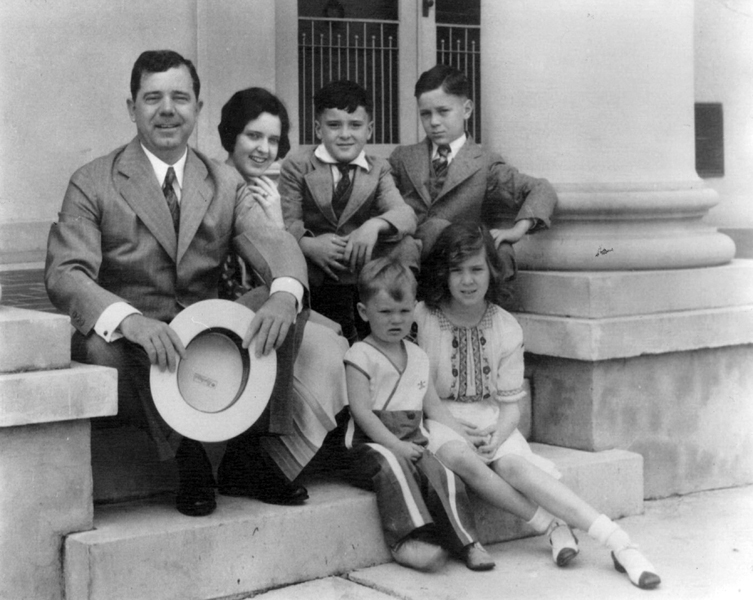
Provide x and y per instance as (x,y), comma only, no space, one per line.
(457,243)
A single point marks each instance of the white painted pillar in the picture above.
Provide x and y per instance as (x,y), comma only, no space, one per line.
(597,97)
(636,319)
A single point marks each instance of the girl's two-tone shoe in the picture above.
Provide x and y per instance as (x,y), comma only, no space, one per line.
(640,572)
(564,543)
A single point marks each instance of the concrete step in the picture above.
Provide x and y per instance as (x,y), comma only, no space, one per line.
(33,341)
(148,550)
(78,392)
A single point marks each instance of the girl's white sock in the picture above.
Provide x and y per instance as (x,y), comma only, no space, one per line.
(602,529)
(541,520)
(640,571)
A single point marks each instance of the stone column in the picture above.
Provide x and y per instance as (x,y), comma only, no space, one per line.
(637,320)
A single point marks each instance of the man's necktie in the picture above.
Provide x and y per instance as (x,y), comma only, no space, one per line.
(439,170)
(342,192)
(168,189)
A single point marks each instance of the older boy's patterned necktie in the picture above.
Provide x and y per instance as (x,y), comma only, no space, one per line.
(168,189)
(440,163)
(344,187)
(439,168)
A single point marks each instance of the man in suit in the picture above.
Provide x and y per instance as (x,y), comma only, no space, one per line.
(341,203)
(449,178)
(142,234)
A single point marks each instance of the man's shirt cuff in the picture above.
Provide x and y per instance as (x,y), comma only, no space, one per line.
(290,285)
(109,321)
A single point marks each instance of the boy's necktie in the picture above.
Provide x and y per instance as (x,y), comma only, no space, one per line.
(168,189)
(440,163)
(439,171)
(342,192)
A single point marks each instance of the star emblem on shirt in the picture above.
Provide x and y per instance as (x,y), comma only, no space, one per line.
(421,384)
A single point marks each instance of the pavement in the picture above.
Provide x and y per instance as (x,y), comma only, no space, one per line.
(701,545)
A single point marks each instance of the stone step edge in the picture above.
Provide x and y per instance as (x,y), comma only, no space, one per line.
(336,530)
(110,517)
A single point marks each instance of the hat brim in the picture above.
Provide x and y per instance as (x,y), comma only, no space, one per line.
(219,390)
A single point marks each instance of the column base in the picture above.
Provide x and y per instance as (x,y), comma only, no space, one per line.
(621,227)
(687,413)
(657,363)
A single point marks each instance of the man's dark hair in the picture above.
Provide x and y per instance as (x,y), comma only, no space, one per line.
(159,61)
(245,106)
(343,95)
(448,78)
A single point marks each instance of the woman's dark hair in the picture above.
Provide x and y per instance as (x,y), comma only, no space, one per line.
(246,105)
(457,243)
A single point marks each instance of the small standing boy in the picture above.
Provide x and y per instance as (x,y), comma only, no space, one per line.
(422,504)
(342,205)
(448,178)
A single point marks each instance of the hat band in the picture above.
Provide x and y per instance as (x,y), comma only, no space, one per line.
(215,370)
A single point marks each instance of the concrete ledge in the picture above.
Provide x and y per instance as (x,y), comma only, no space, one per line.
(79,392)
(33,340)
(150,551)
(598,295)
(623,337)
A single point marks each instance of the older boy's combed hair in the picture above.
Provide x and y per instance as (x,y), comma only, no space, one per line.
(389,275)
(457,243)
(343,95)
(446,77)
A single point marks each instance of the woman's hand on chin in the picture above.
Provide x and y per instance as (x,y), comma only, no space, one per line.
(264,191)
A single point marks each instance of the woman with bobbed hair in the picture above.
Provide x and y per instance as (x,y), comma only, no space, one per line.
(254,130)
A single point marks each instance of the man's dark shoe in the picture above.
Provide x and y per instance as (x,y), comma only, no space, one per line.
(195,497)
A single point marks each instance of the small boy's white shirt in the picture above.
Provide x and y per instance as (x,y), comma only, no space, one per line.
(455,147)
(323,155)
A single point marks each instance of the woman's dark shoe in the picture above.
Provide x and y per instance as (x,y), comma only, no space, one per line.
(282,492)
(195,497)
(246,472)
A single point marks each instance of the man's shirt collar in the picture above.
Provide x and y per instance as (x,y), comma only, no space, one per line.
(160,167)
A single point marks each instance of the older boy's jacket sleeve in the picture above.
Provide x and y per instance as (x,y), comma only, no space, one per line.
(391,206)
(512,194)
(428,228)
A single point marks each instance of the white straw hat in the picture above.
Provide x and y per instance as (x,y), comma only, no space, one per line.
(218,390)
